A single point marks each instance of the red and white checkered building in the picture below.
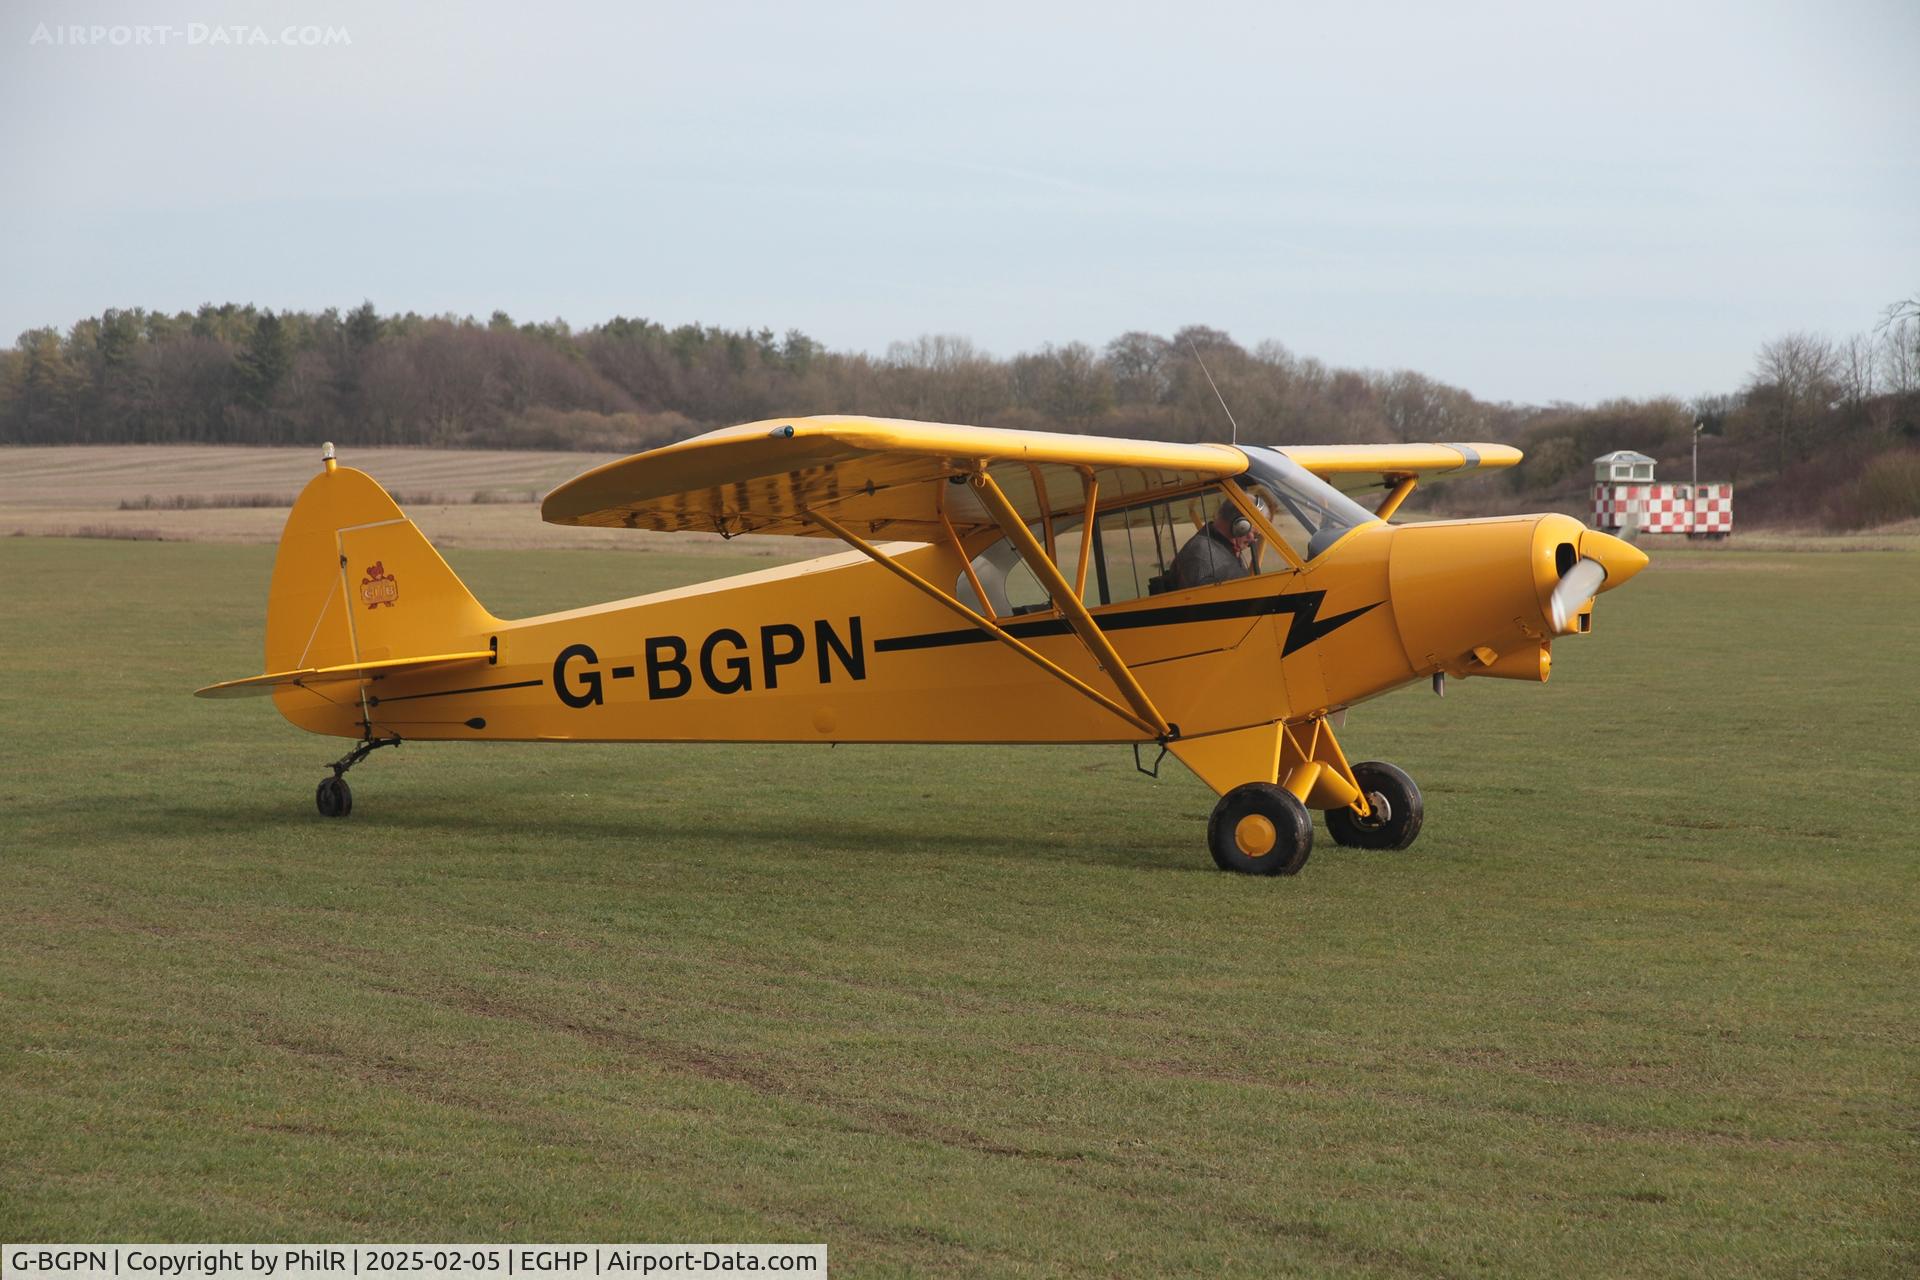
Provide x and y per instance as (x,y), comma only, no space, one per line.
(1627,501)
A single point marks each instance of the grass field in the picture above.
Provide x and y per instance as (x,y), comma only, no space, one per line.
(479,496)
(103,476)
(1640,1003)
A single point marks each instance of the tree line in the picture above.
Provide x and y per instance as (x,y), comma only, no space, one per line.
(239,374)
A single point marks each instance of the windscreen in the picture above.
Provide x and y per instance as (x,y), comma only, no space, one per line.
(1308,512)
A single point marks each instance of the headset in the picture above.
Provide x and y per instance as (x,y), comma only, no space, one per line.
(1240,525)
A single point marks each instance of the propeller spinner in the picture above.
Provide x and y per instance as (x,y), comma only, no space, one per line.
(1604,563)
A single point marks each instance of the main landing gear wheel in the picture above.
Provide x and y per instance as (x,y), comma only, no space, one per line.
(1395,802)
(334,798)
(1260,829)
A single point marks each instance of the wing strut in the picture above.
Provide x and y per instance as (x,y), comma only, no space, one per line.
(1154,727)
(960,550)
(1089,530)
(1402,486)
(1070,604)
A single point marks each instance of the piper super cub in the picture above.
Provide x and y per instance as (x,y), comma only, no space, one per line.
(1229,601)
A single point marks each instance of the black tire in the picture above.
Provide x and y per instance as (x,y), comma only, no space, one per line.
(1396,804)
(333,797)
(1259,829)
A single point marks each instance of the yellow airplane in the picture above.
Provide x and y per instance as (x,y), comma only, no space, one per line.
(1231,603)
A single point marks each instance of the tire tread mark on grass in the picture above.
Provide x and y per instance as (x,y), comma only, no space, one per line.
(1332,1243)
(387,1072)
(1562,1070)
(739,1069)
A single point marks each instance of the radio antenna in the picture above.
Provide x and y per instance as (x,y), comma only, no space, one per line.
(1216,390)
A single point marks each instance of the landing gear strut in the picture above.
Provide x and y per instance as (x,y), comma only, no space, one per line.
(333,797)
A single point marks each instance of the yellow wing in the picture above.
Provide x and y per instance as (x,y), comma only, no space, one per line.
(350,671)
(880,476)
(1364,466)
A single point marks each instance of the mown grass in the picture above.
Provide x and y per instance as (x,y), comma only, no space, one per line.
(1641,1002)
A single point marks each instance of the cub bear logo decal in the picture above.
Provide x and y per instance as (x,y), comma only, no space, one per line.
(379,587)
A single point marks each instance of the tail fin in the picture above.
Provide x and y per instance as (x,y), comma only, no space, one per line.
(355,581)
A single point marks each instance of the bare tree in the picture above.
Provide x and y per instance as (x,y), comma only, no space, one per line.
(1856,359)
(948,379)
(1903,310)
(1795,380)
(1139,364)
(1414,405)
(1899,357)
(934,352)
(1069,384)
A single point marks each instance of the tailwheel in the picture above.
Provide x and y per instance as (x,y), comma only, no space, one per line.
(334,798)
(1395,810)
(1260,829)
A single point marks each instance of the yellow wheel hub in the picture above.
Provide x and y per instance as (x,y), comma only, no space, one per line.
(1255,835)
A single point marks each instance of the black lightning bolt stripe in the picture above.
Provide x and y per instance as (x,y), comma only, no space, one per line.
(448,693)
(1304,606)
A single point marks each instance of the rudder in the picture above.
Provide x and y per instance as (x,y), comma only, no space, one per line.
(354,580)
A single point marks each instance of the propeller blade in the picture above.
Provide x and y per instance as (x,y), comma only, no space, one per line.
(1579,585)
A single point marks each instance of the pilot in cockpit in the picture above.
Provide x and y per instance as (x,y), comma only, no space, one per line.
(1215,553)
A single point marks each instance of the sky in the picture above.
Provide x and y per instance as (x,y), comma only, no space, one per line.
(1536,202)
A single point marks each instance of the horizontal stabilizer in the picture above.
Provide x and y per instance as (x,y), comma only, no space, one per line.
(253,685)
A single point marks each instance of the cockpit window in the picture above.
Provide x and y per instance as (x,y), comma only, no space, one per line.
(1308,512)
(1154,546)
(1132,556)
